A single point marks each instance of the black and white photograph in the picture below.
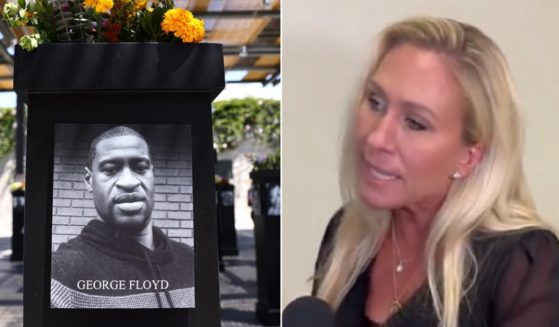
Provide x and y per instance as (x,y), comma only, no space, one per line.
(122,217)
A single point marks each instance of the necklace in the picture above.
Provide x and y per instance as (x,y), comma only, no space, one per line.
(397,303)
(396,252)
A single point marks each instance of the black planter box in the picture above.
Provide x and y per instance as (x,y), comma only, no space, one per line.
(266,216)
(145,84)
(226,216)
(152,67)
(18,207)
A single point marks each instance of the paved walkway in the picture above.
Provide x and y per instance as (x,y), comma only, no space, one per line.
(11,287)
(238,284)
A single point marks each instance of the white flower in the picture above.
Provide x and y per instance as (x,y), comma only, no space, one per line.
(11,9)
(14,15)
(30,42)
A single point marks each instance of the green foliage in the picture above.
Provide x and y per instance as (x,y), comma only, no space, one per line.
(150,23)
(71,22)
(7,130)
(44,21)
(250,118)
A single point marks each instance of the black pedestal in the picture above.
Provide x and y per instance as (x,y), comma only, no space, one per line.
(266,216)
(18,210)
(226,216)
(144,84)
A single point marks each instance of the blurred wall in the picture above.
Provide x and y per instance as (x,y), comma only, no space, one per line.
(326,52)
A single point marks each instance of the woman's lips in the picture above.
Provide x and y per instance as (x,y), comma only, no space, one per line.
(380,174)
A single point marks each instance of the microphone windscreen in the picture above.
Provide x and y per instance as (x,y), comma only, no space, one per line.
(307,311)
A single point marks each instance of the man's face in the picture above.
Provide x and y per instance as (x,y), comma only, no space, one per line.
(121,179)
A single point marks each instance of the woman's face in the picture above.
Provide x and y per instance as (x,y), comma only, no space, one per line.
(409,131)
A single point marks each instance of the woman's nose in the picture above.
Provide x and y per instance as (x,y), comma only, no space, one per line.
(381,137)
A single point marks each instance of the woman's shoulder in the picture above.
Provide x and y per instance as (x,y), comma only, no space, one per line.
(536,242)
(333,225)
(528,242)
(326,245)
(517,267)
(328,238)
(498,251)
(514,255)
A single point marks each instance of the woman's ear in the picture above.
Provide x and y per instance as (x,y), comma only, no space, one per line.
(470,158)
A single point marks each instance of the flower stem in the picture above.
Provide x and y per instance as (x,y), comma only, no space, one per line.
(99,27)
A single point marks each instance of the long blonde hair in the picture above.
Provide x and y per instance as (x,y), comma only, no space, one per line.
(493,198)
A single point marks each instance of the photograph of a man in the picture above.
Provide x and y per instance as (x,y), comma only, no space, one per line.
(120,259)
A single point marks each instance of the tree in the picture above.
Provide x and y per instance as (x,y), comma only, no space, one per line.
(239,119)
(7,130)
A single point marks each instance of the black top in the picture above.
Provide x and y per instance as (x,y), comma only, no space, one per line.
(517,285)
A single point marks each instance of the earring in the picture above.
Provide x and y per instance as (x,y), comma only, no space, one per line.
(456,176)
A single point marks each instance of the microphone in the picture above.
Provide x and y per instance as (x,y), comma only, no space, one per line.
(307,311)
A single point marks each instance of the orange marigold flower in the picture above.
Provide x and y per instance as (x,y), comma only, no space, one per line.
(140,4)
(183,25)
(99,5)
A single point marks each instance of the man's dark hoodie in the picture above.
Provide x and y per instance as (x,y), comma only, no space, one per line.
(120,272)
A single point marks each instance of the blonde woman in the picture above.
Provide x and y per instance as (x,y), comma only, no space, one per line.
(439,228)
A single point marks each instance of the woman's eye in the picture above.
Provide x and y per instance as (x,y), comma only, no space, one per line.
(376,102)
(415,125)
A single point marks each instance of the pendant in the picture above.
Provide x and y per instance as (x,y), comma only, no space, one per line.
(396,306)
(400,267)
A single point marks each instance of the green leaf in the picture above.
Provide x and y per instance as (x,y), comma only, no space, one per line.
(146,23)
(158,14)
(151,23)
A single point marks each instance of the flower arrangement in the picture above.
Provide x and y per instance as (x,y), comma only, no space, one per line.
(93,21)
